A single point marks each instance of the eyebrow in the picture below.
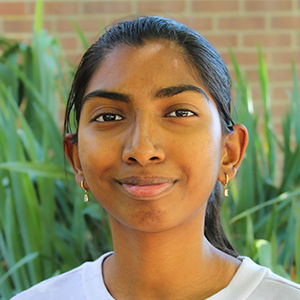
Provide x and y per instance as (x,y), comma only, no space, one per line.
(167,92)
(174,90)
(107,95)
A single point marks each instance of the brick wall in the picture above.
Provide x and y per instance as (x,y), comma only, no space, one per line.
(241,24)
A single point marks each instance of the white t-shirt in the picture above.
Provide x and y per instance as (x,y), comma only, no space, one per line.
(251,282)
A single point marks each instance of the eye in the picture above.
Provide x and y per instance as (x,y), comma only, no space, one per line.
(108,117)
(181,113)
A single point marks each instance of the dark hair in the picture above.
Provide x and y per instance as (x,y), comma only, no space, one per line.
(198,53)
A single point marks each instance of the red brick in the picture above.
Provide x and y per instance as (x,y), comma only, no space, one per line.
(241,23)
(243,58)
(107,7)
(226,57)
(290,22)
(161,6)
(267,40)
(268,5)
(18,26)
(285,57)
(219,40)
(65,26)
(86,25)
(68,43)
(256,94)
(278,93)
(22,26)
(279,110)
(31,7)
(75,47)
(252,76)
(215,6)
(12,9)
(73,58)
(285,100)
(93,38)
(198,24)
(280,75)
(60,8)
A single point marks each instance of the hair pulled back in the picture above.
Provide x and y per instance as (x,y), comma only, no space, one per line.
(199,54)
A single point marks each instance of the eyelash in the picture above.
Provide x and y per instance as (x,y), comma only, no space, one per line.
(179,113)
(108,115)
(185,113)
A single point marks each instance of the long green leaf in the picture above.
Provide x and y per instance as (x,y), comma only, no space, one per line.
(20,263)
(283,197)
(49,171)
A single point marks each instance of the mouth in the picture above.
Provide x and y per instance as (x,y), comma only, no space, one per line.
(147,187)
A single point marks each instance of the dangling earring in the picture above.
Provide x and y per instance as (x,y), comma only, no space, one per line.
(86,194)
(225,183)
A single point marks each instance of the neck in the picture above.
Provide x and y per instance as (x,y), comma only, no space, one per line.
(165,265)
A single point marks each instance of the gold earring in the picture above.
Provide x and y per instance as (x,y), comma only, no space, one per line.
(225,184)
(86,194)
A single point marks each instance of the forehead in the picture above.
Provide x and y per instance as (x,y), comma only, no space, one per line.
(157,63)
(159,50)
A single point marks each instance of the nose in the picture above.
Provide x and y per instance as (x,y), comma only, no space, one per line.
(142,145)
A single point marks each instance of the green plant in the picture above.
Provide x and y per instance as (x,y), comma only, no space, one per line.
(41,216)
(265,204)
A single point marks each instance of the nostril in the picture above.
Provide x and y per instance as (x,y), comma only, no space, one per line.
(132,159)
(142,156)
(154,158)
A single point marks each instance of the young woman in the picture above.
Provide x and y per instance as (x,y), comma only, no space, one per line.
(154,139)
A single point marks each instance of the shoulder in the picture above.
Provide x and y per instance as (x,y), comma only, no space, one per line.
(273,285)
(58,287)
(268,285)
(255,282)
(70,285)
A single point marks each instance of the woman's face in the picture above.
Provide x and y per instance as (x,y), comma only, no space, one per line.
(150,141)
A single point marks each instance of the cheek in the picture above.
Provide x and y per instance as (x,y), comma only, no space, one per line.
(201,162)
(96,155)
(203,148)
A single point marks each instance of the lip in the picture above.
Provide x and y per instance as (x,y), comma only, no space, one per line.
(146,187)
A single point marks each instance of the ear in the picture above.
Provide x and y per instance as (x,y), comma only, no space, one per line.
(71,151)
(235,144)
